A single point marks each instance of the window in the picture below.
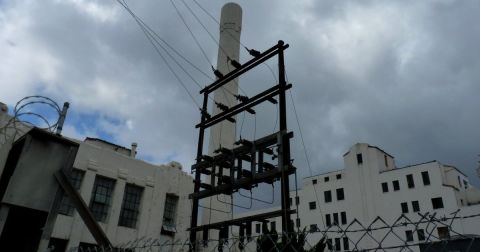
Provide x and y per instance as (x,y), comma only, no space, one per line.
(404,207)
(340,194)
(409,235)
(66,206)
(345,243)
(328,220)
(273,226)
(312,205)
(290,201)
(465,184)
(335,219)
(328,196)
(257,228)
(443,233)
(343,217)
(339,176)
(101,197)
(130,206)
(313,228)
(298,222)
(297,200)
(326,179)
(338,244)
(425,178)
(314,181)
(385,187)
(359,158)
(386,160)
(415,206)
(170,210)
(437,203)
(421,234)
(329,244)
(396,185)
(410,182)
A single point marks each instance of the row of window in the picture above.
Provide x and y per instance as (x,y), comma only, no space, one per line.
(101,198)
(327,178)
(337,244)
(437,203)
(258,227)
(443,233)
(343,219)
(328,195)
(410,182)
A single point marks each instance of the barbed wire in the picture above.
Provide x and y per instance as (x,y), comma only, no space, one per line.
(23,113)
(434,233)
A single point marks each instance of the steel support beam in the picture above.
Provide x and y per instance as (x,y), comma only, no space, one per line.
(82,208)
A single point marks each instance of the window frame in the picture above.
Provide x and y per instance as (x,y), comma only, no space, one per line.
(170,211)
(346,243)
(76,179)
(328,220)
(415,206)
(426,178)
(343,218)
(131,203)
(384,187)
(396,185)
(436,202)
(340,194)
(408,235)
(100,207)
(421,235)
(359,158)
(410,181)
(327,196)
(404,206)
(312,205)
(338,244)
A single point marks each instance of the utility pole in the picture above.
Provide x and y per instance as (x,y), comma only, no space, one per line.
(243,165)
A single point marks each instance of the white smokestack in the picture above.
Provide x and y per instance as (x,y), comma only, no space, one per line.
(133,151)
(223,134)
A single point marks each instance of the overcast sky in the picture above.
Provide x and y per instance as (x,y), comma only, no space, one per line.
(401,75)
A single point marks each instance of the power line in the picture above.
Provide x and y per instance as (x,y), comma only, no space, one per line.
(151,40)
(228,32)
(205,28)
(163,40)
(191,33)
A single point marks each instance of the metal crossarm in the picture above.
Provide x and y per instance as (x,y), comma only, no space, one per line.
(246,165)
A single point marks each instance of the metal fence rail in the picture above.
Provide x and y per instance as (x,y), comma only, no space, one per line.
(422,232)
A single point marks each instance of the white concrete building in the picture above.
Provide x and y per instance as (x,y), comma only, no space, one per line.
(371,186)
(130,198)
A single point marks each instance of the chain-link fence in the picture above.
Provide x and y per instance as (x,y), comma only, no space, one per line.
(421,232)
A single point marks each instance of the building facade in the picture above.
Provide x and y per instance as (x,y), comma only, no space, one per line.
(130,198)
(371,187)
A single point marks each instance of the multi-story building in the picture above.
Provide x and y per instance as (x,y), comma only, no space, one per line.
(371,186)
(129,198)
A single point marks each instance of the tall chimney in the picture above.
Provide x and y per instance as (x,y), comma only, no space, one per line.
(223,134)
(133,150)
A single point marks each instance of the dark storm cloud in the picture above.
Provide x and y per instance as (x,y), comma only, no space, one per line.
(402,75)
